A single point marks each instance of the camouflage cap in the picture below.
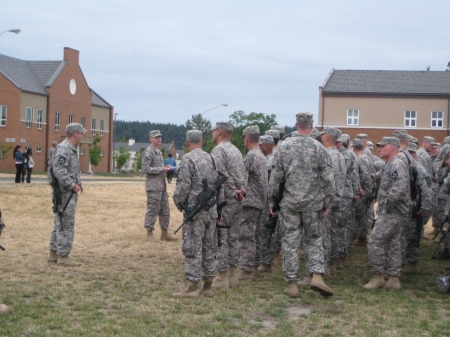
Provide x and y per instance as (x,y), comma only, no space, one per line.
(223,126)
(305,117)
(266,139)
(446,140)
(445,150)
(54,142)
(332,131)
(400,134)
(155,133)
(250,130)
(389,141)
(361,136)
(370,145)
(436,144)
(75,127)
(273,133)
(315,133)
(412,147)
(428,139)
(357,142)
(345,138)
(279,128)
(194,136)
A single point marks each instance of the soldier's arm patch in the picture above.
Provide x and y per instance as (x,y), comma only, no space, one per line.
(62,160)
(428,180)
(394,175)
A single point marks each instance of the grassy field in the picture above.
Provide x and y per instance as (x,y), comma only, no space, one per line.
(125,284)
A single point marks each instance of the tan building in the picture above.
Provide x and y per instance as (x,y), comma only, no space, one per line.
(378,102)
(39,98)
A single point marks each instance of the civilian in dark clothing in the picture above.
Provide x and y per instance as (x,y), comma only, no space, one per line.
(18,157)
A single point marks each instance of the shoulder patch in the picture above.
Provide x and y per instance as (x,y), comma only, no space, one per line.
(62,160)
(394,175)
(428,180)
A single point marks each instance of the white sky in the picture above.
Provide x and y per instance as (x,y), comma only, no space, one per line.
(163,61)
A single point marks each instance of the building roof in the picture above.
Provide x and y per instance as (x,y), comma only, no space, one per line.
(35,76)
(390,82)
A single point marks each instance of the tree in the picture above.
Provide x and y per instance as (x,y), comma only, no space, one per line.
(448,67)
(197,122)
(121,157)
(4,149)
(95,151)
(164,152)
(138,158)
(428,68)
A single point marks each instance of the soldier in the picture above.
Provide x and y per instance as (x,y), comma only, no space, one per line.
(315,134)
(370,146)
(422,205)
(156,188)
(393,211)
(199,234)
(364,137)
(425,154)
(231,160)
(66,170)
(51,153)
(304,165)
(254,201)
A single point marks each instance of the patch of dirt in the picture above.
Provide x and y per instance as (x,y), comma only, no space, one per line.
(296,311)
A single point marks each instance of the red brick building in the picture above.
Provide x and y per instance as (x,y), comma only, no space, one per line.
(39,98)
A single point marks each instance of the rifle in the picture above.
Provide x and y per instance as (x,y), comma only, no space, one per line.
(220,225)
(272,223)
(205,200)
(442,229)
(57,197)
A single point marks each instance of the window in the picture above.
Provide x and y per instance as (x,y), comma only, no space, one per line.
(57,118)
(94,122)
(352,117)
(29,117)
(2,115)
(410,118)
(437,119)
(102,127)
(70,118)
(39,119)
(81,152)
(39,149)
(101,153)
(83,121)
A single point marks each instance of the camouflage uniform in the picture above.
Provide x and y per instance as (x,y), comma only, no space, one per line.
(51,153)
(198,245)
(155,187)
(393,211)
(66,169)
(305,165)
(231,159)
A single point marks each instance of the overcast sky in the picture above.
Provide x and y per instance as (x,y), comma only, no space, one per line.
(163,61)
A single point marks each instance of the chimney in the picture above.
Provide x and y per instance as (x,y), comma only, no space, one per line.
(71,55)
(131,141)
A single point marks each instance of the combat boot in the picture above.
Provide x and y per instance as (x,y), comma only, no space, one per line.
(410,267)
(52,257)
(339,264)
(232,277)
(190,292)
(221,281)
(332,267)
(393,283)
(66,261)
(360,243)
(317,284)
(206,289)
(306,282)
(166,237)
(265,269)
(291,290)
(244,275)
(376,282)
(150,235)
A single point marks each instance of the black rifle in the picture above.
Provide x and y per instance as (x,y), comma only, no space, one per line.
(57,197)
(205,200)
(442,238)
(272,223)
(220,225)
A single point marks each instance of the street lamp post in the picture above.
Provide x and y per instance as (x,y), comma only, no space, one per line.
(225,105)
(15,31)
(114,142)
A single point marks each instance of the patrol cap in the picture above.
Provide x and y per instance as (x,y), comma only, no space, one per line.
(400,133)
(305,118)
(250,130)
(279,128)
(273,133)
(266,139)
(315,133)
(428,139)
(357,142)
(361,136)
(446,140)
(194,136)
(155,133)
(54,142)
(370,145)
(223,126)
(389,141)
(445,150)
(332,131)
(345,138)
(412,147)
(75,127)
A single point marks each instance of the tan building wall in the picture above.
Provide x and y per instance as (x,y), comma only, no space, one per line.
(101,114)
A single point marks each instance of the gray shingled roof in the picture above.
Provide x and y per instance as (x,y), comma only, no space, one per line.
(98,101)
(388,82)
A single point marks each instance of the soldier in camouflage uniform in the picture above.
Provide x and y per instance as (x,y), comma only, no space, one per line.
(308,196)
(393,211)
(421,207)
(156,188)
(424,154)
(66,170)
(198,246)
(51,153)
(253,203)
(230,158)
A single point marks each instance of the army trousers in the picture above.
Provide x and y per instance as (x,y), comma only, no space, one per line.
(250,219)
(337,237)
(199,246)
(266,246)
(411,241)
(348,218)
(228,253)
(61,238)
(363,218)
(294,227)
(385,244)
(157,206)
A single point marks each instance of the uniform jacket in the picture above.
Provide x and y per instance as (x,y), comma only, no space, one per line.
(66,167)
(153,167)
(256,176)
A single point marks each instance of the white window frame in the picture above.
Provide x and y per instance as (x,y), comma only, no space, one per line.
(101,153)
(70,118)
(354,119)
(81,152)
(437,119)
(29,117)
(39,149)
(3,118)
(57,120)
(409,120)
(83,121)
(102,127)
(39,119)
(94,124)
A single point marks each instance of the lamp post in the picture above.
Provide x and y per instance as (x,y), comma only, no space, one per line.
(114,142)
(15,31)
(225,105)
